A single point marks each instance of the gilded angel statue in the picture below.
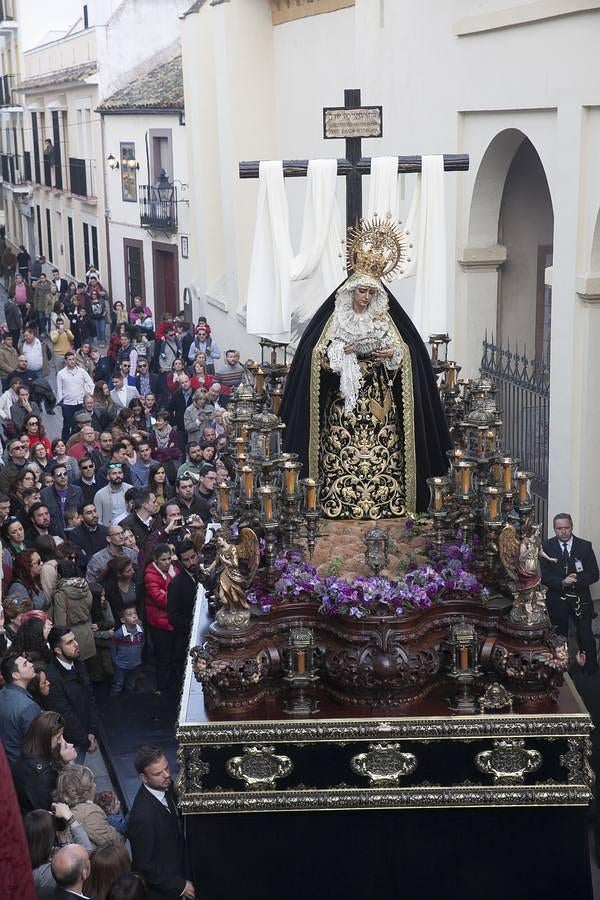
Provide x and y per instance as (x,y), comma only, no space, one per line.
(237,565)
(521,559)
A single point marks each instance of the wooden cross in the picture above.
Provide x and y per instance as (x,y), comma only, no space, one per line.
(355,165)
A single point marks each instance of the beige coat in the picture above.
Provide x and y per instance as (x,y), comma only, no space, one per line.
(8,360)
(71,606)
(97,826)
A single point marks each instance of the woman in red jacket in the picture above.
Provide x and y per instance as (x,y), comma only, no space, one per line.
(157,577)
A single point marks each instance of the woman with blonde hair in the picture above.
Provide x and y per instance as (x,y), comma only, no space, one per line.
(76,786)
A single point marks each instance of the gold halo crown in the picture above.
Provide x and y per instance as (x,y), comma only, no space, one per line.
(377,248)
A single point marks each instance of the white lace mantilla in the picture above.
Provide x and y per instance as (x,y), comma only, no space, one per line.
(367,332)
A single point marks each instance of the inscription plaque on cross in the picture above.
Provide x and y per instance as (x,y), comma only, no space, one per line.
(354,122)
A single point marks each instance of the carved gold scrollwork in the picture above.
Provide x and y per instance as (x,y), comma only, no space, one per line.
(508,762)
(259,767)
(384,764)
(191,770)
(575,760)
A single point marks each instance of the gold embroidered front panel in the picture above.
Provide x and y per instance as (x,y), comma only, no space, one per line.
(360,453)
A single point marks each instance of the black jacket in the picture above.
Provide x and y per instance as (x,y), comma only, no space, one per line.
(181,597)
(178,406)
(71,696)
(553,573)
(140,531)
(157,846)
(51,499)
(89,541)
(89,491)
(35,779)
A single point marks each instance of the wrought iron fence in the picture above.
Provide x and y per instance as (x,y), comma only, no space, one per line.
(524,399)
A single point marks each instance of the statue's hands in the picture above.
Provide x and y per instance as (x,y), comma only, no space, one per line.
(386,353)
(348,348)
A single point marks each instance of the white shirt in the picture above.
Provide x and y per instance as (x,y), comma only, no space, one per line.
(160,796)
(569,544)
(66,665)
(6,401)
(34,354)
(72,385)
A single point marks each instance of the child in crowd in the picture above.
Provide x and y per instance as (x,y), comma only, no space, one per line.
(72,520)
(107,801)
(127,646)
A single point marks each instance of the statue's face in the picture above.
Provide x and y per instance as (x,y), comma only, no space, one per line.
(361,297)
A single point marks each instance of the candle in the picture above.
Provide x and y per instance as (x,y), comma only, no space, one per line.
(290,475)
(451,375)
(276,400)
(274,356)
(463,659)
(247,482)
(259,382)
(490,437)
(458,453)
(224,497)
(239,446)
(301,662)
(267,505)
(493,506)
(465,479)
(507,476)
(244,432)
(311,494)
(522,478)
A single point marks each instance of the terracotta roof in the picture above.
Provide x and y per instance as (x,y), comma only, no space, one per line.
(62,76)
(160,88)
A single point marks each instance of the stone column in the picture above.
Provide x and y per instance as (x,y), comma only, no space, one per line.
(477,311)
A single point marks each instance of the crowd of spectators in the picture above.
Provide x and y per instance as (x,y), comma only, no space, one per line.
(106,535)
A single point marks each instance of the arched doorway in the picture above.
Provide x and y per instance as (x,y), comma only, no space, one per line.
(509,260)
(525,228)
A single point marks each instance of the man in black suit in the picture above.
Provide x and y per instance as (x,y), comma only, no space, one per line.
(181,399)
(155,830)
(70,868)
(181,599)
(62,285)
(70,692)
(568,581)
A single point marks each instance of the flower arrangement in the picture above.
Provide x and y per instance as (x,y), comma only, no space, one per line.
(420,587)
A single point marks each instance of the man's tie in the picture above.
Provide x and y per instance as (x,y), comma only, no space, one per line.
(565,558)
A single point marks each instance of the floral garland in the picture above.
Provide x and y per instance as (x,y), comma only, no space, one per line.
(420,587)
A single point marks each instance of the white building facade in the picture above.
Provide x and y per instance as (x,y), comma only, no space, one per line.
(149,228)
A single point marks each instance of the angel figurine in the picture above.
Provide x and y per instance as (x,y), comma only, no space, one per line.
(521,559)
(233,582)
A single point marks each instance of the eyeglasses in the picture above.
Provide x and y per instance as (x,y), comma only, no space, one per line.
(86,465)
(60,474)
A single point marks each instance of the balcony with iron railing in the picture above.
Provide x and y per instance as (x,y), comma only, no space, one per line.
(14,171)
(158,207)
(75,176)
(6,91)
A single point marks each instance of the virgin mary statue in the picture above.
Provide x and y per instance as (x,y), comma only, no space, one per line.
(361,404)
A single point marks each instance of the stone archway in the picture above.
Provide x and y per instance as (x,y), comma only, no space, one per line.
(509,249)
(485,253)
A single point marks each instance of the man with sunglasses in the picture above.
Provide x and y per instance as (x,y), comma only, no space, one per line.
(61,496)
(90,481)
(146,382)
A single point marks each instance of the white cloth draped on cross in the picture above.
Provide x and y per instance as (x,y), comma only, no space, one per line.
(282,286)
